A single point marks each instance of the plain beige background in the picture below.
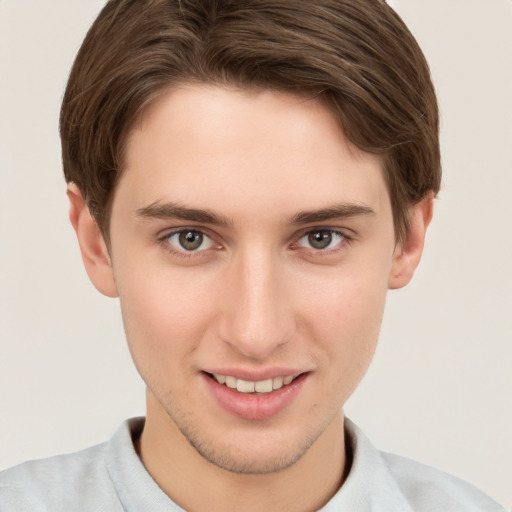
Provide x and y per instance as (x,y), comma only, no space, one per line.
(440,388)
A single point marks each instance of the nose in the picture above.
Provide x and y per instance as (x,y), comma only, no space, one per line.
(257,317)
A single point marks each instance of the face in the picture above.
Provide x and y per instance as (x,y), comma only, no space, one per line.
(251,246)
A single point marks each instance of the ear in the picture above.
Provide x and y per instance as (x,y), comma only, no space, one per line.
(92,245)
(407,254)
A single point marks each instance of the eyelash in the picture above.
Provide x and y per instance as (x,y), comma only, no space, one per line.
(345,240)
(183,253)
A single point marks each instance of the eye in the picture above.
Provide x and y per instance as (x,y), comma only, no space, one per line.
(189,240)
(321,239)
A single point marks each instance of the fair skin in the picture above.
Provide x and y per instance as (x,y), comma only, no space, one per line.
(260,249)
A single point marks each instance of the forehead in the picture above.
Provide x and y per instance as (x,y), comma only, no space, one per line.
(216,147)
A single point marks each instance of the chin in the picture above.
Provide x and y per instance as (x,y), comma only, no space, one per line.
(262,454)
(242,462)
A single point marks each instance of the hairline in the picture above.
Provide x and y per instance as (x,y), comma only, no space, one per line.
(156,95)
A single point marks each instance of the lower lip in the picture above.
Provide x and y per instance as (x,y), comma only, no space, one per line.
(255,406)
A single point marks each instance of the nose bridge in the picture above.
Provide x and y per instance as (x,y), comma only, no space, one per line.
(258,317)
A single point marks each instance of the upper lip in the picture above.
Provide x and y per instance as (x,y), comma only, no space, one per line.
(256,375)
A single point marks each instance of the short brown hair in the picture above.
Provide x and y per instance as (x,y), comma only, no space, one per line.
(356,56)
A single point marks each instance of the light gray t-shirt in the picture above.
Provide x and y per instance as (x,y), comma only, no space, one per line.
(111,478)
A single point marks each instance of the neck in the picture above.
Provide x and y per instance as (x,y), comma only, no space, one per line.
(193,483)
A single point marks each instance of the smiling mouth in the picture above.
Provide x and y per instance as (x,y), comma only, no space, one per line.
(247,386)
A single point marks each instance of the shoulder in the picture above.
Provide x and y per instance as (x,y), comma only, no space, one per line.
(386,482)
(428,488)
(65,482)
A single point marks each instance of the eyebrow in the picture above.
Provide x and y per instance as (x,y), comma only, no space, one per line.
(339,211)
(172,210)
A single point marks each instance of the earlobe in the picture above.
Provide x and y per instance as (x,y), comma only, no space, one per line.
(92,244)
(407,255)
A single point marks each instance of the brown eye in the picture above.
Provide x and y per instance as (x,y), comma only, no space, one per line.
(321,239)
(190,240)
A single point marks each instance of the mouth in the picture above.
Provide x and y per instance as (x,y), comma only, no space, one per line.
(255,399)
(260,387)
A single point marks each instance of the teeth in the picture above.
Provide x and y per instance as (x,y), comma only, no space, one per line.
(277,382)
(261,386)
(244,386)
(230,381)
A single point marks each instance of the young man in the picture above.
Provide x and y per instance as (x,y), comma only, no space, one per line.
(249,178)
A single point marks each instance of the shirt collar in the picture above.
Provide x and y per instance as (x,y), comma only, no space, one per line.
(369,486)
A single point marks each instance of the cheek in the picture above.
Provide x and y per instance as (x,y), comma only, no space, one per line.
(164,313)
(345,320)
